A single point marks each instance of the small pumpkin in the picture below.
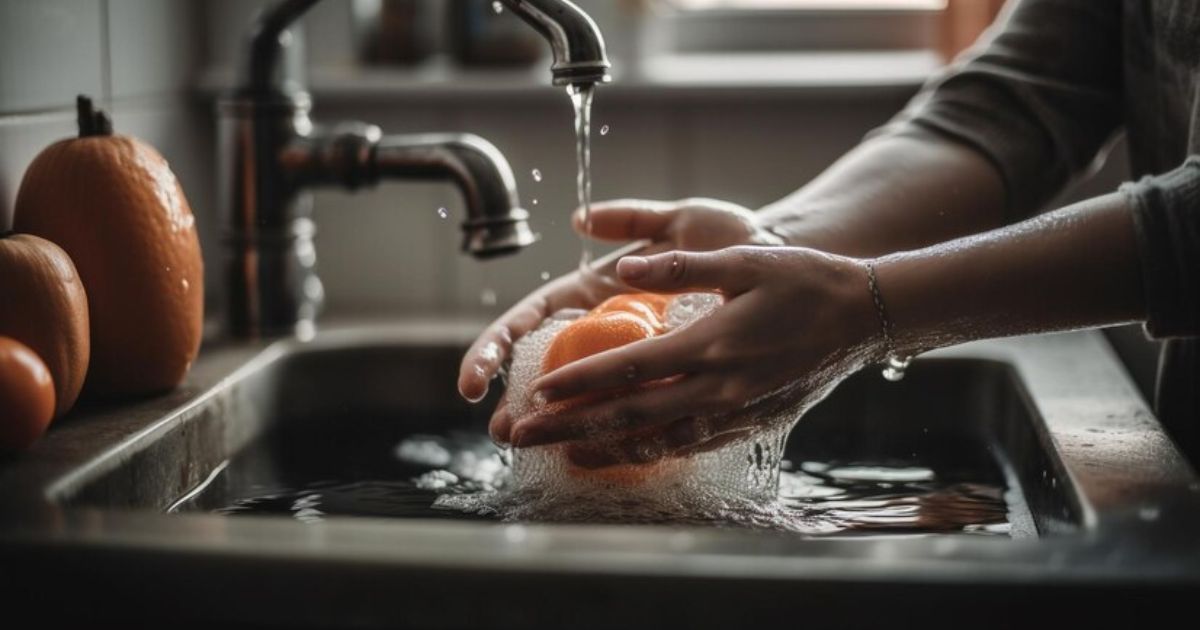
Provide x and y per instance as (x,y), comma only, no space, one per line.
(43,305)
(26,395)
(112,202)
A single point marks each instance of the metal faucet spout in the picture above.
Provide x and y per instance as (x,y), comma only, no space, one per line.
(578,47)
(273,155)
(496,224)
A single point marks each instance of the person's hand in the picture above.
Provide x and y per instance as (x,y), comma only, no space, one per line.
(794,323)
(690,224)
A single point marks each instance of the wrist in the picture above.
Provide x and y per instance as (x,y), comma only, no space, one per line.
(859,313)
(801,229)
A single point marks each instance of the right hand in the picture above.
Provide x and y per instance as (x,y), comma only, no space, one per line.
(688,225)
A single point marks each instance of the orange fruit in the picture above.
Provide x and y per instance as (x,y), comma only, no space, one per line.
(619,320)
(26,395)
(649,306)
(593,334)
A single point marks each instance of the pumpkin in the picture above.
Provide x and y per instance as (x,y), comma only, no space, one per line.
(26,395)
(43,305)
(112,202)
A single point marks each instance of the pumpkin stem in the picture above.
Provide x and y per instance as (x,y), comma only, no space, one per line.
(92,121)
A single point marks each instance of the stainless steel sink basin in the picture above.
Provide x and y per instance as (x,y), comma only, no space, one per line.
(1104,508)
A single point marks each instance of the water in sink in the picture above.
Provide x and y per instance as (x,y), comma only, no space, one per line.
(461,476)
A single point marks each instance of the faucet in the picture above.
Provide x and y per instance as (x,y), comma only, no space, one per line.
(271,155)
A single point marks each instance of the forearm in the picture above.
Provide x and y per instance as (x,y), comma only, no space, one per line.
(1073,268)
(891,194)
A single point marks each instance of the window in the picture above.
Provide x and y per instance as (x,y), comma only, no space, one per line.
(716,26)
(910,5)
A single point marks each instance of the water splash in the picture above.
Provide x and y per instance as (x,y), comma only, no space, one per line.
(604,130)
(537,175)
(443,213)
(497,7)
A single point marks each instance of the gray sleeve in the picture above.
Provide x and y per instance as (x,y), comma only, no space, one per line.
(1166,217)
(1039,97)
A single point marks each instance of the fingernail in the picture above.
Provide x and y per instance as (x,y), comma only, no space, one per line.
(474,398)
(633,267)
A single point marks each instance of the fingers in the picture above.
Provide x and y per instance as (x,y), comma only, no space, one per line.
(729,271)
(648,360)
(639,410)
(500,426)
(627,220)
(482,361)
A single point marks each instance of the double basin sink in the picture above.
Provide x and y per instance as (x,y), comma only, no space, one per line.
(1103,507)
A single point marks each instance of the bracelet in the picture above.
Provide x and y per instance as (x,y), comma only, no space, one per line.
(895,365)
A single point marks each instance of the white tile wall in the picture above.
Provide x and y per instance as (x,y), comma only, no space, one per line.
(153,46)
(49,51)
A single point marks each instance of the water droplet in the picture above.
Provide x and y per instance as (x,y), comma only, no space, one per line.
(537,175)
(185,284)
(896,367)
(488,297)
(535,202)
(443,213)
(1149,513)
(604,130)
(545,276)
(497,8)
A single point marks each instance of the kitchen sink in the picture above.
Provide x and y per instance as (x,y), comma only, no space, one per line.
(114,508)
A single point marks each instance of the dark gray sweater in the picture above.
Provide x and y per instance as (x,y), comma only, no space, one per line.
(1042,96)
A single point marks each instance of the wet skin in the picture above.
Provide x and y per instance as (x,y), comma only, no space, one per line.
(799,318)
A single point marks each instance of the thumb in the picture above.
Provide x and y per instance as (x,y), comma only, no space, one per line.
(678,271)
(627,220)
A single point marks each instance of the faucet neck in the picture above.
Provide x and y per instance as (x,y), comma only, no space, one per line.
(269,45)
(575,40)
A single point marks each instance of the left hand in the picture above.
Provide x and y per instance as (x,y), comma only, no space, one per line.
(794,323)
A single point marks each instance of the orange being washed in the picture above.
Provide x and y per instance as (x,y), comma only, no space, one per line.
(594,334)
(620,320)
(113,204)
(651,307)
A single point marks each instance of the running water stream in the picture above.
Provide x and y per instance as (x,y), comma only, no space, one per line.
(581,99)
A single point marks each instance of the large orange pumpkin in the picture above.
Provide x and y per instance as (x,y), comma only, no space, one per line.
(112,202)
(42,305)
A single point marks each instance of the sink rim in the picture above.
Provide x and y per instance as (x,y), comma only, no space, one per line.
(1095,393)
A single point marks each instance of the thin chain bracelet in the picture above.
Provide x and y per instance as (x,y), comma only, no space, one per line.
(894,365)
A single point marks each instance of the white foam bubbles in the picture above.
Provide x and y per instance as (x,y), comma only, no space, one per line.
(736,483)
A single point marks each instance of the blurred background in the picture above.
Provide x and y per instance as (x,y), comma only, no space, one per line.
(743,100)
